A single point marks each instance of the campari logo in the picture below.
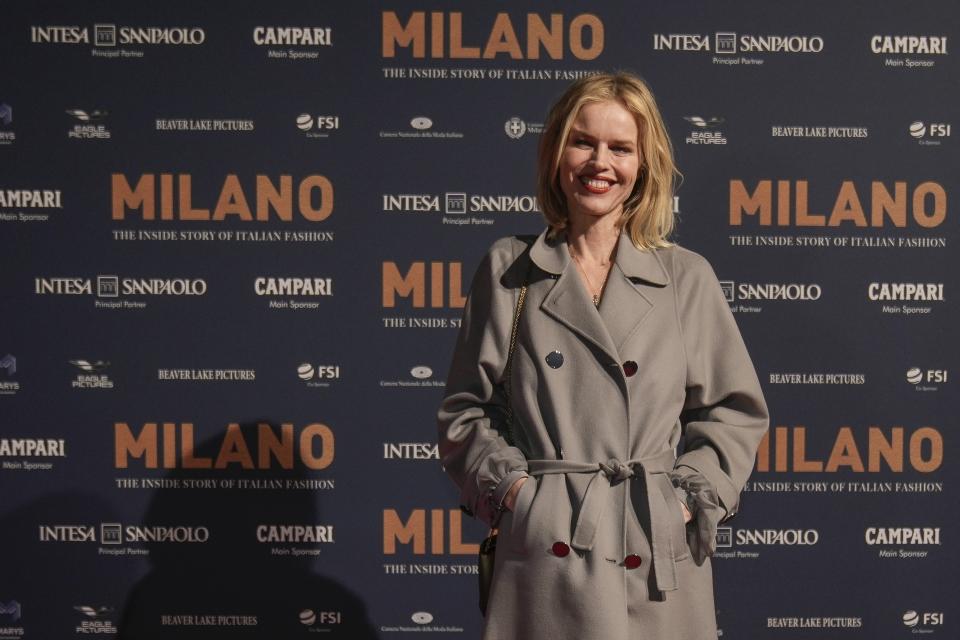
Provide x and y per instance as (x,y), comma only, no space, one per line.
(293,36)
(932,45)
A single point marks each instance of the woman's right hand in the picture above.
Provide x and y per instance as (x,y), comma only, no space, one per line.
(510,500)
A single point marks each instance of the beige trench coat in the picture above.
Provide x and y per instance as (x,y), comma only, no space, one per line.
(596,546)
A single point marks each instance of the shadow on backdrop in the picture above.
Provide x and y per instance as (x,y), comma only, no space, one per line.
(233,585)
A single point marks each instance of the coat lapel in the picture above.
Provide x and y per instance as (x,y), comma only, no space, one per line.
(568,301)
(624,306)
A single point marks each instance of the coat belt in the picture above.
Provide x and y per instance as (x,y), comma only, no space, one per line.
(596,498)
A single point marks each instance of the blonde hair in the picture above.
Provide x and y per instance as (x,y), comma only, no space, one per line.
(648,212)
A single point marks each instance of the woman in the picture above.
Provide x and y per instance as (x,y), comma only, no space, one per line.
(625,348)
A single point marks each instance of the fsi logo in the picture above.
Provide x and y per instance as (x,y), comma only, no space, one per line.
(307,122)
(926,380)
(921,622)
(318,376)
(915,375)
(919,129)
(929,134)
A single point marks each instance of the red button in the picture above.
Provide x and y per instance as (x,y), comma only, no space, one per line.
(632,561)
(561,549)
(630,368)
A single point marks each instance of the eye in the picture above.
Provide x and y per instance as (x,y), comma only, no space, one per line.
(583,143)
(622,150)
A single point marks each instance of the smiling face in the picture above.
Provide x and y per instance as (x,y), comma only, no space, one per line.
(600,161)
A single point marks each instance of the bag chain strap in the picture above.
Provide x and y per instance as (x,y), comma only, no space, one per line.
(508,431)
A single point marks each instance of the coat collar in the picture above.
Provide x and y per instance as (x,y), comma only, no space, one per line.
(551,255)
(625,305)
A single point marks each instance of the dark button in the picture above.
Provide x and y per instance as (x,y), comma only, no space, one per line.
(632,561)
(466,510)
(554,359)
(630,368)
(561,549)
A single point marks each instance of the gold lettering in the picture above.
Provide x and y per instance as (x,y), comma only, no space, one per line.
(457,50)
(577,25)
(281,448)
(307,210)
(268,197)
(413,530)
(232,201)
(234,449)
(742,202)
(939,213)
(307,436)
(845,452)
(916,449)
(436,531)
(395,34)
(881,202)
(123,196)
(125,445)
(539,36)
(800,462)
(503,39)
(187,212)
(457,545)
(186,450)
(848,207)
(413,282)
(890,450)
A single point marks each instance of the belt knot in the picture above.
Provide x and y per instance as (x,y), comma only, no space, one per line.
(616,471)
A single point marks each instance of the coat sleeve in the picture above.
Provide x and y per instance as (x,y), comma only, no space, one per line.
(725,416)
(474,408)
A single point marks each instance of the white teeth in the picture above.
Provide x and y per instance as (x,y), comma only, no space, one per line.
(596,184)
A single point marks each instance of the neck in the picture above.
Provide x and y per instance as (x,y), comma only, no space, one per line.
(593,239)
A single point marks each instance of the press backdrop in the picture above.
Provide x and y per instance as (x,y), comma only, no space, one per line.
(236,242)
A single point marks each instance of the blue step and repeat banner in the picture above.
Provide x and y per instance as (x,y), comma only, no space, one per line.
(236,242)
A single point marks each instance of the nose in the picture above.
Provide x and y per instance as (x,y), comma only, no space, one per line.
(601,155)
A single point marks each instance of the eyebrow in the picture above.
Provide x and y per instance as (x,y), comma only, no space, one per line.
(578,132)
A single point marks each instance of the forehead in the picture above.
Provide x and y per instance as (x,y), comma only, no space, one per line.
(607,118)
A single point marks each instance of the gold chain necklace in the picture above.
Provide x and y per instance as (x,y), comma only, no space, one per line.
(606,276)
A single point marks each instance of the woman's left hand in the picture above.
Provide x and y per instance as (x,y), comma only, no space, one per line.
(687,516)
(510,500)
